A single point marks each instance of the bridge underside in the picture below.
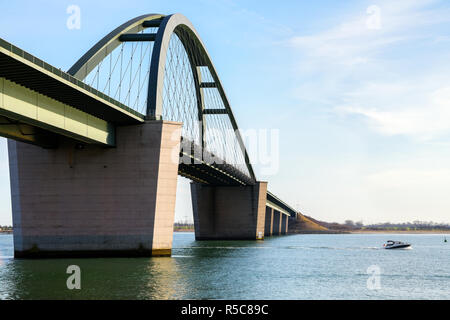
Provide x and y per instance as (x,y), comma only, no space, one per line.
(21,131)
(196,164)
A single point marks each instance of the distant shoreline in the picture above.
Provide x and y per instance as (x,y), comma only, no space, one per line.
(403,231)
(303,224)
(371,232)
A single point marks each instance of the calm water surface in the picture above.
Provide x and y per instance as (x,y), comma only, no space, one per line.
(289,267)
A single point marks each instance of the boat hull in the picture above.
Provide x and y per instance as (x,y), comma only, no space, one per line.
(402,246)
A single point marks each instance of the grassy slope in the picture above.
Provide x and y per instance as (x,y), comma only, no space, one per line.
(305,224)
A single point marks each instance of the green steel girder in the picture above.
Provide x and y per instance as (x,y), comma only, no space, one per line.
(26,70)
(21,108)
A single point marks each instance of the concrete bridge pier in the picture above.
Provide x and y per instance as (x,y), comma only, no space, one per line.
(229,212)
(95,201)
(284,224)
(276,227)
(268,227)
(276,223)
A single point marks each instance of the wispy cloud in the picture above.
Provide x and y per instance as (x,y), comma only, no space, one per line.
(381,73)
(425,122)
(354,41)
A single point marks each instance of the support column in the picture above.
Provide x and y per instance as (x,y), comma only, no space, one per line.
(229,212)
(287,224)
(269,222)
(283,224)
(94,201)
(276,231)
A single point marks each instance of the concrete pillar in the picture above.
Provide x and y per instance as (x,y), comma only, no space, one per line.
(287,224)
(276,229)
(269,221)
(229,212)
(95,201)
(283,224)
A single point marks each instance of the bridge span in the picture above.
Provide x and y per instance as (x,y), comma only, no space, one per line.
(94,152)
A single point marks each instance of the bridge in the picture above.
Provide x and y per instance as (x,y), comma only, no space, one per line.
(94,152)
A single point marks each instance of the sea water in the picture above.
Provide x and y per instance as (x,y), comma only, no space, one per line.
(343,266)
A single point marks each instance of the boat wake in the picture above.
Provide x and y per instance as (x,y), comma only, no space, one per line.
(334,248)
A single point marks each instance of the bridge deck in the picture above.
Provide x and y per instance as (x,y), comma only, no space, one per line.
(278,204)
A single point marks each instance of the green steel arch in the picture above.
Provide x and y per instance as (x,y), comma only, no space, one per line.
(167,27)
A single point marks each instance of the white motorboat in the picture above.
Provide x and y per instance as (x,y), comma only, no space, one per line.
(390,244)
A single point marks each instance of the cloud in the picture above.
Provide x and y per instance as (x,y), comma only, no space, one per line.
(424,122)
(395,79)
(410,178)
(357,39)
(394,76)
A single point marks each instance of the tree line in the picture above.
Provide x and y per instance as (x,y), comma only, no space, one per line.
(415,225)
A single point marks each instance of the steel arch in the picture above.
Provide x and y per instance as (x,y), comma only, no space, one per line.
(106,45)
(195,49)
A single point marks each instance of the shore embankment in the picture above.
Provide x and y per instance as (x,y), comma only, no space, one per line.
(307,225)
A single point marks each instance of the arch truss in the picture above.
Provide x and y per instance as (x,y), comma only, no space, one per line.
(158,66)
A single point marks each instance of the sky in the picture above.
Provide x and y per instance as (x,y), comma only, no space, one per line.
(357,91)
